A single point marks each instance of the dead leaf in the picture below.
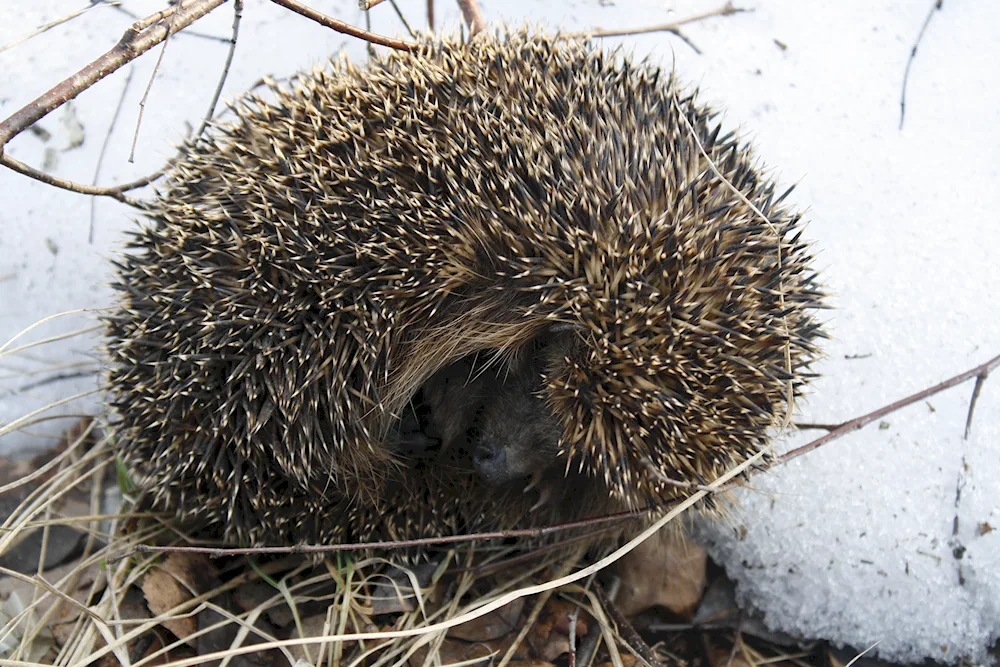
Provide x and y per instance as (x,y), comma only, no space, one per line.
(723,657)
(628,660)
(494,625)
(312,626)
(164,593)
(195,571)
(222,637)
(666,570)
(394,591)
(455,651)
(561,612)
(66,612)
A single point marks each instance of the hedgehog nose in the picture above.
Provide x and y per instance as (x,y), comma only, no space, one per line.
(489,459)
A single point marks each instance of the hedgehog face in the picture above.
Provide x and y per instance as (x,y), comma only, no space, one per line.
(491,413)
(513,434)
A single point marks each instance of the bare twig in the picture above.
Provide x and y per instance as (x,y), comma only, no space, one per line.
(673,27)
(841,430)
(237,16)
(218,552)
(980,371)
(980,379)
(135,42)
(430,15)
(152,77)
(473,17)
(139,38)
(368,28)
(810,426)
(342,27)
(104,149)
(57,22)
(737,640)
(913,54)
(402,18)
(626,630)
(114,192)
(368,4)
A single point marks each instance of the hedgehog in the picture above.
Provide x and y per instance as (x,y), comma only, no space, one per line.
(490,283)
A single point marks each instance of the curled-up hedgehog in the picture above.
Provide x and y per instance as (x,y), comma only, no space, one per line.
(495,283)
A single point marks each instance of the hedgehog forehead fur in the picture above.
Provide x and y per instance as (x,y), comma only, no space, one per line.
(311,263)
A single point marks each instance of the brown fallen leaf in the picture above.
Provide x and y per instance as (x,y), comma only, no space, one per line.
(164,593)
(195,571)
(219,633)
(550,636)
(173,582)
(628,660)
(494,625)
(312,626)
(456,651)
(666,570)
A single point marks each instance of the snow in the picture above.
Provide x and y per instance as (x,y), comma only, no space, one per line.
(855,542)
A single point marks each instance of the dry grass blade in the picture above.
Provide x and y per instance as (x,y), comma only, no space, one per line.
(57,22)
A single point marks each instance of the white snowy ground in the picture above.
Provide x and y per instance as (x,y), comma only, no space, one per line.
(854,542)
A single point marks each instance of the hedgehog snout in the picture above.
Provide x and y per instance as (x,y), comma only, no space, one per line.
(490,461)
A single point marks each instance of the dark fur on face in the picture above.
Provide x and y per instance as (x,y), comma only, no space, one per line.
(490,412)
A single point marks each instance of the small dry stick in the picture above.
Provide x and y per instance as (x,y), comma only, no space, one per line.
(625,628)
(473,17)
(342,27)
(104,149)
(430,14)
(980,372)
(368,4)
(673,27)
(402,18)
(139,38)
(913,54)
(841,430)
(152,77)
(980,379)
(737,640)
(218,552)
(59,21)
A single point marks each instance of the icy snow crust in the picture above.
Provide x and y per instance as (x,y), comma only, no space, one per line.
(855,542)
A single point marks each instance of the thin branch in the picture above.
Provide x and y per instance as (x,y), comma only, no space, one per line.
(132,44)
(809,426)
(113,192)
(674,27)
(218,552)
(913,54)
(345,28)
(52,24)
(473,17)
(139,38)
(980,379)
(237,17)
(368,4)
(980,371)
(152,77)
(430,15)
(402,18)
(853,425)
(104,149)
(627,631)
(186,33)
